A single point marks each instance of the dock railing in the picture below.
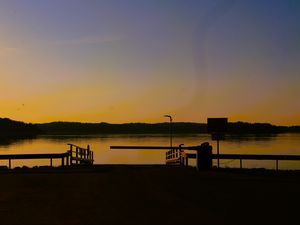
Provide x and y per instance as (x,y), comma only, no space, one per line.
(176,155)
(242,157)
(63,156)
(204,157)
(78,154)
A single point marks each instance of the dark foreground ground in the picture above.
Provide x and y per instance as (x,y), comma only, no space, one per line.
(148,195)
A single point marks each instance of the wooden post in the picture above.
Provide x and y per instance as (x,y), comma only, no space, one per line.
(88,152)
(277,165)
(241,164)
(84,153)
(76,155)
(9,163)
(186,161)
(71,152)
(50,162)
(198,157)
(180,155)
(62,161)
(92,157)
(218,152)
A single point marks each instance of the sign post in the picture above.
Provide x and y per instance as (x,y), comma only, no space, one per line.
(217,127)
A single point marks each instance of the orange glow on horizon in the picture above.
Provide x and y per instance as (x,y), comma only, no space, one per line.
(172,60)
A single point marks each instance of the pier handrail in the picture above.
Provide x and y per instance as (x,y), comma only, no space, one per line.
(155,147)
(172,154)
(50,156)
(35,156)
(83,156)
(256,156)
(76,146)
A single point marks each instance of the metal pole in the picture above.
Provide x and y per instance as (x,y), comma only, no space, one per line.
(171,135)
(180,154)
(218,152)
(70,154)
(76,155)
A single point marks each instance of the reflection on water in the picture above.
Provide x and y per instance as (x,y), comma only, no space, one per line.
(250,137)
(6,142)
(245,144)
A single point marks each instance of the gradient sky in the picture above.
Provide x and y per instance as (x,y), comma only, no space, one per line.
(135,60)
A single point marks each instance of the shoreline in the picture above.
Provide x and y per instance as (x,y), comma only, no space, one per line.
(99,167)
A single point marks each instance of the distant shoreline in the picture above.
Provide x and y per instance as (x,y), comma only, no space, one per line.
(160,128)
(11,128)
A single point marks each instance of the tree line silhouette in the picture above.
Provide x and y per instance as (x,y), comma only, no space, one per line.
(11,128)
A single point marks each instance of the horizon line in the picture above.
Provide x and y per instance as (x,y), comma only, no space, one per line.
(84,122)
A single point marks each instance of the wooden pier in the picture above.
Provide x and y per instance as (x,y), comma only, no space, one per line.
(76,155)
(178,156)
(79,155)
(242,157)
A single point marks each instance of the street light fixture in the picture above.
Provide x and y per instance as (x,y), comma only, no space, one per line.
(170,117)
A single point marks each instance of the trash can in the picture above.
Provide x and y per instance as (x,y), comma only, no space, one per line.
(204,156)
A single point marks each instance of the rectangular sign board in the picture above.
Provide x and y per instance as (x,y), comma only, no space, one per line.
(217,125)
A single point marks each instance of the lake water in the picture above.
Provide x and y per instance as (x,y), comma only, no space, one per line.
(100,144)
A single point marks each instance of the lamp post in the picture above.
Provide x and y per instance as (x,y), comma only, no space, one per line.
(170,117)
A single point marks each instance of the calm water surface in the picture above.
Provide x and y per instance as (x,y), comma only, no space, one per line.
(273,144)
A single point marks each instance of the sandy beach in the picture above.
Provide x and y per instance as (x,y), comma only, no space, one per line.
(108,194)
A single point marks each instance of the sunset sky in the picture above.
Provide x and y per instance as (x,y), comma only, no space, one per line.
(134,60)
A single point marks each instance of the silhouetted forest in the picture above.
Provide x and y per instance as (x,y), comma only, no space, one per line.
(11,128)
(138,128)
(130,128)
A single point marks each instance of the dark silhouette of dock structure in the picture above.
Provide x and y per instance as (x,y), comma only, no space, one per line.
(80,155)
(204,157)
(76,155)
